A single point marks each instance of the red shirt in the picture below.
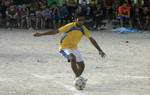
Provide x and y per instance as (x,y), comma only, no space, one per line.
(122,10)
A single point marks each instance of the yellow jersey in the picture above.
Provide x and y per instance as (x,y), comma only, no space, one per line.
(71,35)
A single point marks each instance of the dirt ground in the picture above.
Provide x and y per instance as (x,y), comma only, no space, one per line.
(33,66)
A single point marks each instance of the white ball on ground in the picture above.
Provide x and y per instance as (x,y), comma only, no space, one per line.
(79,83)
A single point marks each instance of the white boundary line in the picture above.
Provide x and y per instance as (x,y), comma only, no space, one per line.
(127,76)
(68,87)
(77,92)
(5,79)
(138,77)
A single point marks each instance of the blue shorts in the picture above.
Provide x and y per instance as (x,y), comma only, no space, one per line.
(122,18)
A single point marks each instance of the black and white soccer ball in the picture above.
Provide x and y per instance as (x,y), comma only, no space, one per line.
(79,83)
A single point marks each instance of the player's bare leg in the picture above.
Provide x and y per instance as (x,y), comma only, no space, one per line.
(74,66)
(80,66)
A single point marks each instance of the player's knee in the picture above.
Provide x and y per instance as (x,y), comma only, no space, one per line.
(72,58)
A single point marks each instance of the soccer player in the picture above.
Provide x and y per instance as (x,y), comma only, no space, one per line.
(72,33)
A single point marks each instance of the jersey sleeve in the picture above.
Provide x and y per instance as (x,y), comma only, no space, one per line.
(87,32)
(65,28)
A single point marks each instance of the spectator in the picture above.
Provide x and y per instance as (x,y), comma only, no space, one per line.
(88,11)
(146,17)
(63,14)
(124,14)
(136,15)
(72,7)
(3,14)
(19,11)
(110,13)
(98,17)
(47,17)
(84,6)
(56,17)
(36,13)
(7,2)
(25,17)
(12,17)
(39,20)
(32,17)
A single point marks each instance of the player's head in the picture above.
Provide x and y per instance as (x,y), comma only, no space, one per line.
(80,19)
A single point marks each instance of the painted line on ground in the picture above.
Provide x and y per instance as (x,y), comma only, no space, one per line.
(127,76)
(68,87)
(138,77)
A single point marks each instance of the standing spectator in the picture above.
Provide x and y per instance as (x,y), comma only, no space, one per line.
(124,14)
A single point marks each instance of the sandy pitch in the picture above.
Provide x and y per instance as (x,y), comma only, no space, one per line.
(33,66)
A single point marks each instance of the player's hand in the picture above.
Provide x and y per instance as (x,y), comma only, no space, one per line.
(102,54)
(37,34)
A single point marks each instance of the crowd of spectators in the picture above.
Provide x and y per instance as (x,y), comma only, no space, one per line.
(135,15)
(37,14)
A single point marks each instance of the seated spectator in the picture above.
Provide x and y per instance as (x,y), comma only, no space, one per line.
(3,15)
(12,16)
(47,17)
(25,17)
(146,17)
(99,17)
(39,20)
(136,15)
(19,11)
(32,17)
(7,2)
(0,19)
(123,14)
(55,16)
(71,6)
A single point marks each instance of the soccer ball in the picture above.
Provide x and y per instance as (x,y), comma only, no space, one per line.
(79,83)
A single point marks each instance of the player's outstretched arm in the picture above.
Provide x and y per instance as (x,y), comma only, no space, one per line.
(51,32)
(97,47)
